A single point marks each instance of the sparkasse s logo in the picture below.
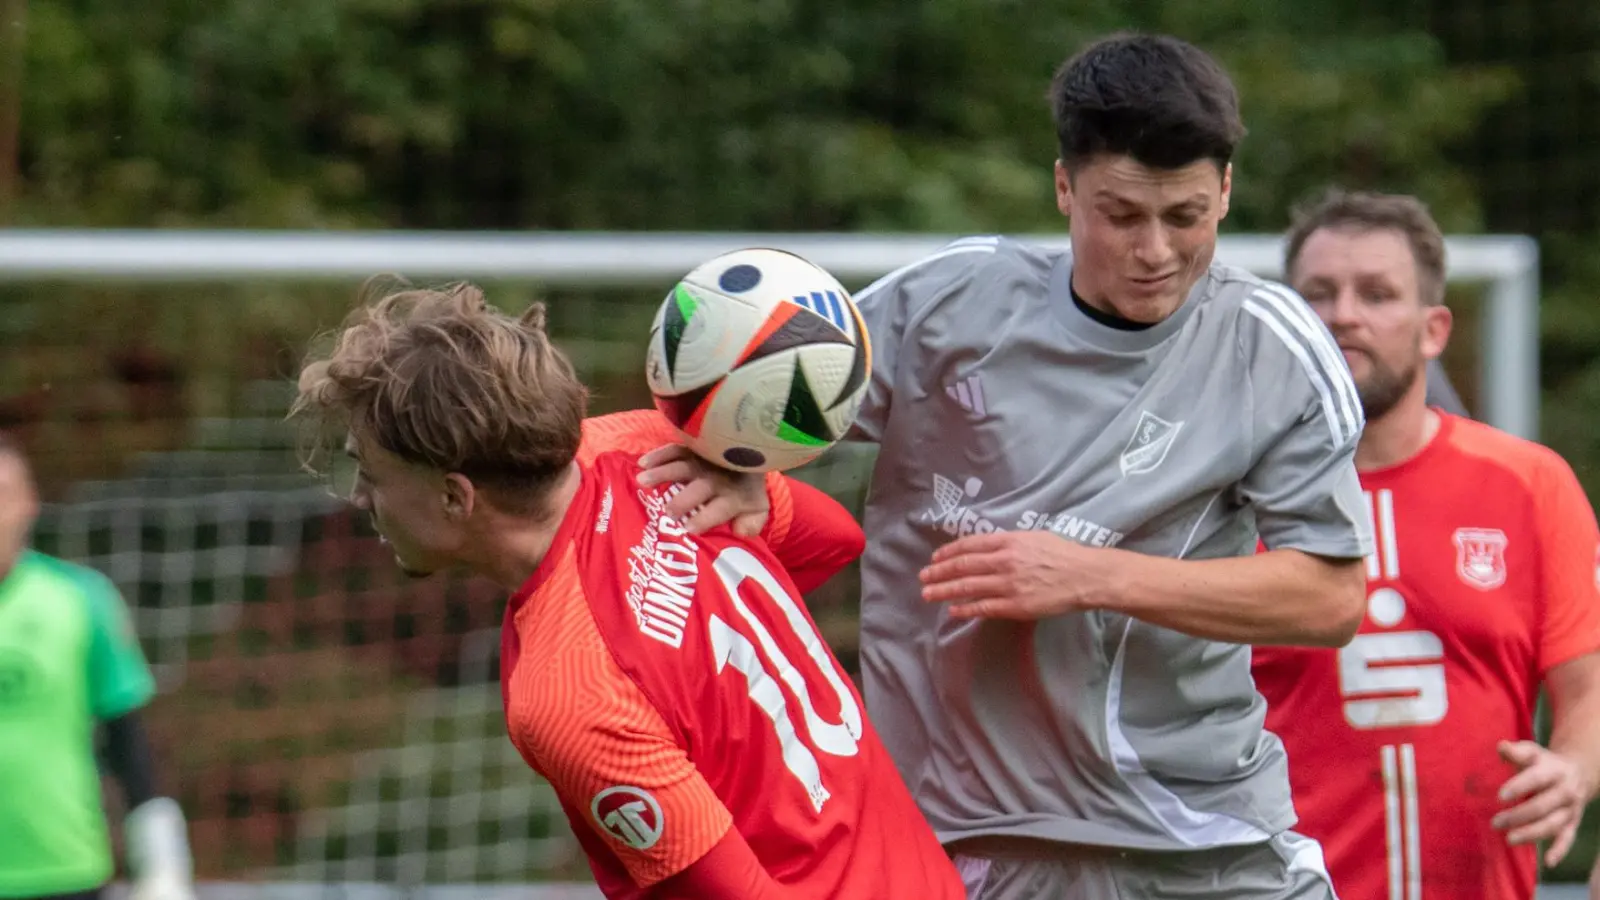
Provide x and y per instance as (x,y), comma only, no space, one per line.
(629,814)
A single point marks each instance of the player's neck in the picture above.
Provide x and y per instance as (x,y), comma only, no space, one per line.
(1398,435)
(517,545)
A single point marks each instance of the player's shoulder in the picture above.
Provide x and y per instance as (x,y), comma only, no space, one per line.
(1263,311)
(1482,444)
(69,576)
(635,432)
(559,646)
(1275,329)
(960,265)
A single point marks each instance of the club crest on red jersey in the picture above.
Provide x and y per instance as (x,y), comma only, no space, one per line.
(629,814)
(1481,557)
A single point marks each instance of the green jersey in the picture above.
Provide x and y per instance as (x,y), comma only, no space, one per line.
(68,657)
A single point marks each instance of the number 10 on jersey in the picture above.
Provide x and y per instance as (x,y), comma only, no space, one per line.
(735,644)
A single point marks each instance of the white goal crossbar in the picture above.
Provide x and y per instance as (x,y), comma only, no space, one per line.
(1507,264)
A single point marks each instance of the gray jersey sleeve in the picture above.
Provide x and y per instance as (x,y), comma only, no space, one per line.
(893,304)
(1306,419)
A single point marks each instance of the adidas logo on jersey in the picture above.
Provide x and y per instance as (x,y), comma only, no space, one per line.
(968,394)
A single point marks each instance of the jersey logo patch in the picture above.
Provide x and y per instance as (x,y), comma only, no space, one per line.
(1481,557)
(20,679)
(629,814)
(951,512)
(1148,447)
(968,394)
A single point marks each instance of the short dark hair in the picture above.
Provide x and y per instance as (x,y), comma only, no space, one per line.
(1368,211)
(1160,100)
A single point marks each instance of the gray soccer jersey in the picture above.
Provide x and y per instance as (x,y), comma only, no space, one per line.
(1000,405)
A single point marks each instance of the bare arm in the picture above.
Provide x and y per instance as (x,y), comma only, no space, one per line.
(129,757)
(1279,597)
(1574,691)
(1547,796)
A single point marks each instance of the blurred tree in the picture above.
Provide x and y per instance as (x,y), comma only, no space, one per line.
(710,114)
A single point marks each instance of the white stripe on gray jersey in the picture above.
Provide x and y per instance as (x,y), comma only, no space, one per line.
(1318,336)
(1329,377)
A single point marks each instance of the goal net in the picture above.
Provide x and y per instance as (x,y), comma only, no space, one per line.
(323,719)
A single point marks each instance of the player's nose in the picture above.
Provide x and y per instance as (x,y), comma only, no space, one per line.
(1153,247)
(1343,313)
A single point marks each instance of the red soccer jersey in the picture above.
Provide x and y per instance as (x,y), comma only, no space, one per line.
(1484,578)
(673,686)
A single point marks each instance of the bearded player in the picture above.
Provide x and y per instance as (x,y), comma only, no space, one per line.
(672,688)
(1411,750)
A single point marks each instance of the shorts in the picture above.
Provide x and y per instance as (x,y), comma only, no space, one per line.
(1288,867)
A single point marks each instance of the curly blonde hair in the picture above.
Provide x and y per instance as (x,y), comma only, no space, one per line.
(442,379)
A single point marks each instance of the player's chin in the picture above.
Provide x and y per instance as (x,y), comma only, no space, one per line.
(1149,309)
(411,569)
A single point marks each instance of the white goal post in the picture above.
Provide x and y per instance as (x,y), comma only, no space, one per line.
(1507,264)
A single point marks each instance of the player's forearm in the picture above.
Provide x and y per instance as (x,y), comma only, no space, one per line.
(1279,597)
(130,759)
(1575,719)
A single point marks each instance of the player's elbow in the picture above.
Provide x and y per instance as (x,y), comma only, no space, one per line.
(1341,601)
(852,543)
(845,545)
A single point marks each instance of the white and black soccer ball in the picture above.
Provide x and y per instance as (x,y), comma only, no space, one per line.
(760,359)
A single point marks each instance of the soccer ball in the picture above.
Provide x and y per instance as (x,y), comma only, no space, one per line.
(760,360)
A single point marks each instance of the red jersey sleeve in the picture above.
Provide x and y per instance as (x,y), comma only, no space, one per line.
(585,726)
(810,532)
(730,871)
(637,431)
(1569,544)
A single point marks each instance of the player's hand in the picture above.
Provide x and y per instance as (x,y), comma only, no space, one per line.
(1549,791)
(159,860)
(711,495)
(1018,575)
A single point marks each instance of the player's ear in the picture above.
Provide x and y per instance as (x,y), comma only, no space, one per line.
(1436,324)
(460,497)
(1063,189)
(1227,190)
